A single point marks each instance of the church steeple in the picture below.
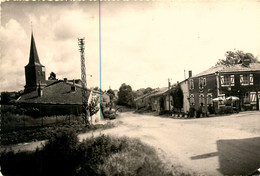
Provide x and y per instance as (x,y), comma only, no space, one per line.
(34,70)
(34,59)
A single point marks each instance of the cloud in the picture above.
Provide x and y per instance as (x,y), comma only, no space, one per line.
(12,56)
(142,43)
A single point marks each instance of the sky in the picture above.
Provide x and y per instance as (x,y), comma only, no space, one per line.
(142,43)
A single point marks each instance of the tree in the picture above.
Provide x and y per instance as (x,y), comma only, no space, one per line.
(125,95)
(5,98)
(148,90)
(177,95)
(111,94)
(52,76)
(235,57)
(97,89)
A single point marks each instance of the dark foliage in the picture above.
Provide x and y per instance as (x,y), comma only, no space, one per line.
(64,155)
(177,95)
(234,57)
(5,98)
(52,76)
(125,96)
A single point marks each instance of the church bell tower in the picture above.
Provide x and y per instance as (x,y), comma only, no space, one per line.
(34,70)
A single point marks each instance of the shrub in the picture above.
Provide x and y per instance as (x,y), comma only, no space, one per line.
(198,112)
(64,155)
(191,112)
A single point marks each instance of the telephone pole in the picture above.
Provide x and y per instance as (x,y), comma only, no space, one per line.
(169,87)
(81,43)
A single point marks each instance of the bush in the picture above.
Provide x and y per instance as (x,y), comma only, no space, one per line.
(198,112)
(64,155)
(228,110)
(191,112)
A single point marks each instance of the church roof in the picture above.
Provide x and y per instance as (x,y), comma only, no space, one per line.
(34,58)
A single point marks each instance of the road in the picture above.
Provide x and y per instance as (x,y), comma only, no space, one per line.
(224,145)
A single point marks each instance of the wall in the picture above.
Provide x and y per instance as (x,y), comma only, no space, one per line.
(185,89)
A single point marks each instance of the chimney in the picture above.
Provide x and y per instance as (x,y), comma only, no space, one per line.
(190,73)
(65,80)
(40,91)
(73,88)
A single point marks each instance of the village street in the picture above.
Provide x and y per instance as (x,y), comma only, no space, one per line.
(224,145)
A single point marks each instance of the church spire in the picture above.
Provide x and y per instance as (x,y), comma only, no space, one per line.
(34,59)
(34,70)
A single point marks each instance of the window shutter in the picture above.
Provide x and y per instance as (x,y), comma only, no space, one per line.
(253,97)
(251,79)
(200,83)
(232,80)
(222,80)
(241,79)
(191,84)
(204,81)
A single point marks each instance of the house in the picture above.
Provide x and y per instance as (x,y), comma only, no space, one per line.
(157,100)
(240,80)
(52,97)
(59,98)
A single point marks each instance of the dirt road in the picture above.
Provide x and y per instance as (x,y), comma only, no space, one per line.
(225,145)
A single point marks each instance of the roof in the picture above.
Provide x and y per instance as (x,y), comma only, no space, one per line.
(58,92)
(34,59)
(234,68)
(157,92)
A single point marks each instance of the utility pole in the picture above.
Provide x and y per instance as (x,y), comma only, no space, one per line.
(169,87)
(81,43)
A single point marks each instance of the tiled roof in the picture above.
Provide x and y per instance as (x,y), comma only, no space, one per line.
(234,68)
(147,94)
(58,92)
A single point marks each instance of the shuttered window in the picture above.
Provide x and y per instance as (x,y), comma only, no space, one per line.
(246,79)
(253,97)
(209,99)
(201,100)
(251,77)
(191,84)
(232,80)
(202,83)
(192,101)
(227,80)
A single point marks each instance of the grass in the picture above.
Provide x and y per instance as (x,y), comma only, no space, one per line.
(64,155)
(15,129)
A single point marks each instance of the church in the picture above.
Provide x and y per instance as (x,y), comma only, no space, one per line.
(52,97)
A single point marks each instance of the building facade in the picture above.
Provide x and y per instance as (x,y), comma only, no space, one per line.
(241,80)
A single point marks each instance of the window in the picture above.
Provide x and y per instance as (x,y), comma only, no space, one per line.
(251,79)
(246,79)
(227,80)
(191,84)
(201,100)
(202,83)
(192,101)
(209,99)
